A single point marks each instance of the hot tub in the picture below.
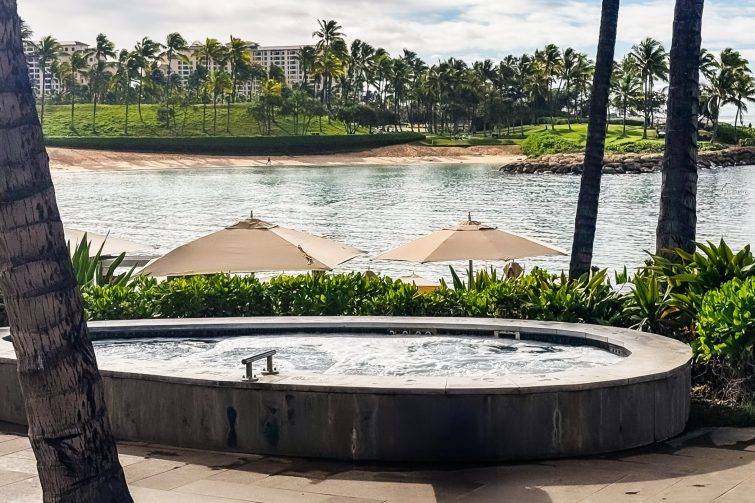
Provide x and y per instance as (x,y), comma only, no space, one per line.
(387,389)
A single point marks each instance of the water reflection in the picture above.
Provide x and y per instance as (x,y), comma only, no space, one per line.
(376,208)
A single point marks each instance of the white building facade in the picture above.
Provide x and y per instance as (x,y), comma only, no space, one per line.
(52,84)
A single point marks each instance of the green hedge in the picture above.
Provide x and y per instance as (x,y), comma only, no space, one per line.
(538,144)
(638,147)
(535,296)
(237,145)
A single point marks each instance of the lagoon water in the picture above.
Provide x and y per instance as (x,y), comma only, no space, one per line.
(379,207)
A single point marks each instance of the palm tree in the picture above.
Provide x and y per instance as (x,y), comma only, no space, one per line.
(69,430)
(26,32)
(307,58)
(652,61)
(627,89)
(743,92)
(677,222)
(727,80)
(551,61)
(589,191)
(104,49)
(144,53)
(126,71)
(220,85)
(46,53)
(76,64)
(211,52)
(240,59)
(175,45)
(331,50)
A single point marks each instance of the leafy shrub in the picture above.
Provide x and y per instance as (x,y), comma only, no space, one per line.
(711,147)
(638,147)
(747,142)
(697,273)
(539,144)
(726,134)
(726,323)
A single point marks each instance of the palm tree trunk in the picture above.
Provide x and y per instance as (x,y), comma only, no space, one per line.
(677,223)
(94,115)
(126,96)
(42,115)
(73,99)
(139,98)
(65,405)
(589,192)
(228,116)
(646,105)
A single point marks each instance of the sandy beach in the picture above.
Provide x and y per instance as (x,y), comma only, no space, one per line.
(85,160)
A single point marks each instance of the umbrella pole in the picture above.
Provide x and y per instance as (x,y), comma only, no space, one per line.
(471,274)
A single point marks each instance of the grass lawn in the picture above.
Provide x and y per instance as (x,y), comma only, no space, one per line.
(578,134)
(111,118)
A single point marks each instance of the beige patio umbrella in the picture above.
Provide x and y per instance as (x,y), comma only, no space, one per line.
(471,241)
(252,246)
(111,247)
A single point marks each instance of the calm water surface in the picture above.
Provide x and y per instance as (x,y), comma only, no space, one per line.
(376,208)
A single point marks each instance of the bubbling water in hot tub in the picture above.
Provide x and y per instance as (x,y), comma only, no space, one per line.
(360,354)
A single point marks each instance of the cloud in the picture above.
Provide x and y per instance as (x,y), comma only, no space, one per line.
(434,29)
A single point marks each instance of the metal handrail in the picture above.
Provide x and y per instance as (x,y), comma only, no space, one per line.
(269,368)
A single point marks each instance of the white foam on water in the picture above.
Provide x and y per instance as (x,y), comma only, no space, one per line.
(361,354)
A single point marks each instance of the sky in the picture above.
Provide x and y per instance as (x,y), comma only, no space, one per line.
(435,29)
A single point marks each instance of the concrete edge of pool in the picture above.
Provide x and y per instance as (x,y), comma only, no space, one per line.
(640,400)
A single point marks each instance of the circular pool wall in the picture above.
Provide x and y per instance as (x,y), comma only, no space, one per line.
(641,399)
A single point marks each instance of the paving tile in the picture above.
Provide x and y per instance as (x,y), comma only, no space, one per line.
(146,495)
(24,453)
(738,494)
(246,492)
(255,471)
(178,477)
(9,477)
(346,499)
(149,468)
(357,487)
(696,489)
(5,438)
(25,491)
(635,487)
(18,464)
(15,445)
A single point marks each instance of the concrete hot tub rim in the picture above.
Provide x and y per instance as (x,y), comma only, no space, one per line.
(642,399)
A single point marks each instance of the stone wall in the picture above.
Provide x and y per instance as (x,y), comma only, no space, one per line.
(628,163)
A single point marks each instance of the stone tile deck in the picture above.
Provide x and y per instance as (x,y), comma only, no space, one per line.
(702,466)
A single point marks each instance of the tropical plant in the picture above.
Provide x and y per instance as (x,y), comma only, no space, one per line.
(726,323)
(89,268)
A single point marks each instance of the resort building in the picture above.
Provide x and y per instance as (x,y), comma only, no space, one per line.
(283,56)
(52,84)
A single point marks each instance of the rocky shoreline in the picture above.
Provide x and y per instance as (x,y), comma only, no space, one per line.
(615,164)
